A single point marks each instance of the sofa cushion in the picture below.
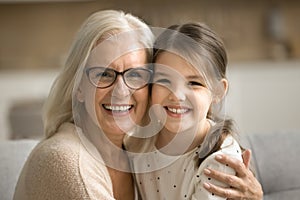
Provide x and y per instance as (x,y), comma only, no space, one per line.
(276,157)
(289,195)
(13,154)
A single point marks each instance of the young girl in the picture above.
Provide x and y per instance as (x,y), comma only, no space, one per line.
(187,95)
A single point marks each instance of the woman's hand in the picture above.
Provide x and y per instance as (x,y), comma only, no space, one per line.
(242,186)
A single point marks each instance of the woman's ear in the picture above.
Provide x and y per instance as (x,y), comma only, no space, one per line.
(80,95)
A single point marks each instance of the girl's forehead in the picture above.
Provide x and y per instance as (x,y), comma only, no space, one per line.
(170,63)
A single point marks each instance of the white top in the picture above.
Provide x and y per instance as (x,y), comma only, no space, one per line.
(179,177)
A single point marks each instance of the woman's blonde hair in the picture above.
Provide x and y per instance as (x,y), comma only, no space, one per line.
(58,106)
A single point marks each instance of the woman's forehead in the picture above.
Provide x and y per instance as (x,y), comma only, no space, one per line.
(115,48)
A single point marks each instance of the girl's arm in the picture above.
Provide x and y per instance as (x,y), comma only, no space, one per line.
(243,186)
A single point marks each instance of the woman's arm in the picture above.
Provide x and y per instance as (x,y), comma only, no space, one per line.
(243,186)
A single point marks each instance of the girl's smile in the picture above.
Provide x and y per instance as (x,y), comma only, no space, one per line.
(180,90)
(177,111)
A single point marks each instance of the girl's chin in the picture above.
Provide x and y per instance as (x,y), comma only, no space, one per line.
(174,129)
(177,128)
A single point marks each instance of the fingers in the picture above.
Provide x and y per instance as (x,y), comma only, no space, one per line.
(231,180)
(234,194)
(234,163)
(247,157)
(242,186)
(222,192)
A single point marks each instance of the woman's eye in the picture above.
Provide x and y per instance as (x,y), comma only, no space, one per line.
(102,74)
(135,74)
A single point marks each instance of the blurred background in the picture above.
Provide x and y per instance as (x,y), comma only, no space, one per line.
(262,39)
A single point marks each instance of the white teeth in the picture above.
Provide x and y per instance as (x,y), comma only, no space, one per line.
(178,110)
(117,108)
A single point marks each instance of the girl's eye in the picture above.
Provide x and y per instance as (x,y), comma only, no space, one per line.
(195,83)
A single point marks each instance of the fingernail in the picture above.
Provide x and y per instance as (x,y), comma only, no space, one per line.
(219,157)
(207,171)
(206,185)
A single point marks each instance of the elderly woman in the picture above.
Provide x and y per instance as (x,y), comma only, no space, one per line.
(101,95)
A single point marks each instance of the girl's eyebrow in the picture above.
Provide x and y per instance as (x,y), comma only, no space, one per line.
(194,77)
(187,77)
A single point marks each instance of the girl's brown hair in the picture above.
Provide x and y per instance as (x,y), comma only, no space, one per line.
(201,47)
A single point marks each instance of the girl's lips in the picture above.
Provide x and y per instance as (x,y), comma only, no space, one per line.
(117,109)
(176,111)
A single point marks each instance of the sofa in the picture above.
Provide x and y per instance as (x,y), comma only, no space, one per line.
(275,157)
(13,154)
(276,160)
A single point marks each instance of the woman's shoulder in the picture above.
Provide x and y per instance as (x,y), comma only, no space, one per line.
(63,144)
(59,151)
(52,169)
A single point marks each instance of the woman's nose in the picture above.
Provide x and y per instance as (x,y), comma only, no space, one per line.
(120,89)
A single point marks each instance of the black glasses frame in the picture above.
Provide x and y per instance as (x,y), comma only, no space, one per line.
(116,73)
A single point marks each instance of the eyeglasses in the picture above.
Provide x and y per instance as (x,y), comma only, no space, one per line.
(134,78)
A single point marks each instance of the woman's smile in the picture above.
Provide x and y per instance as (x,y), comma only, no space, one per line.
(118,109)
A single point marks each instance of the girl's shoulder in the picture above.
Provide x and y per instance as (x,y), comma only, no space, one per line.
(229,146)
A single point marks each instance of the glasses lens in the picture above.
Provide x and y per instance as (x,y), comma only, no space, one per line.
(101,77)
(137,77)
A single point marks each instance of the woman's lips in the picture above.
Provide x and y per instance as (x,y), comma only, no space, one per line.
(117,109)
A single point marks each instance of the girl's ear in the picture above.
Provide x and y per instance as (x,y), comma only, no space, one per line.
(222,91)
(225,86)
(80,95)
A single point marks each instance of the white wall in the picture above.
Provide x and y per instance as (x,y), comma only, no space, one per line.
(263,96)
(16,86)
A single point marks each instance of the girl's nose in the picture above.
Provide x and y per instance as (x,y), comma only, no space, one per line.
(177,94)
